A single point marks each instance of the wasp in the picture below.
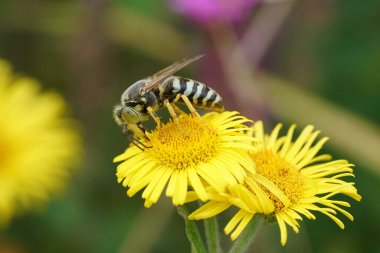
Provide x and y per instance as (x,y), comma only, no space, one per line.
(162,89)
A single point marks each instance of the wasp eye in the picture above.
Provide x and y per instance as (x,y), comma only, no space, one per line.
(130,115)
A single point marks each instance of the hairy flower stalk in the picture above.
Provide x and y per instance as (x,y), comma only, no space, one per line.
(291,180)
(190,151)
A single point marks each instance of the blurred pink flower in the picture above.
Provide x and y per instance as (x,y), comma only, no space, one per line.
(205,11)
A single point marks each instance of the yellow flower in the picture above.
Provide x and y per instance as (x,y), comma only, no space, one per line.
(192,151)
(36,144)
(290,180)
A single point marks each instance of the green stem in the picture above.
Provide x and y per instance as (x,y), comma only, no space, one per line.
(192,232)
(243,242)
(212,235)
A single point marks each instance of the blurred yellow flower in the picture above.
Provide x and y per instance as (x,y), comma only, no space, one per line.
(37,144)
(194,152)
(290,180)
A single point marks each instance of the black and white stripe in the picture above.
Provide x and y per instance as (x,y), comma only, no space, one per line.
(198,93)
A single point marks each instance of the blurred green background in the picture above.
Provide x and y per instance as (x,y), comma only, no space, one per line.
(304,61)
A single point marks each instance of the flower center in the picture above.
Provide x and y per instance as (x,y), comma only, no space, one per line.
(280,172)
(183,144)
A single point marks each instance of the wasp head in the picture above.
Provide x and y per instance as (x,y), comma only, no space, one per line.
(125,115)
(130,119)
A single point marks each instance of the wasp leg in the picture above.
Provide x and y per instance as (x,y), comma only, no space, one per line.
(177,109)
(174,116)
(141,133)
(154,116)
(193,110)
(136,142)
(190,106)
(139,142)
(138,130)
(171,110)
(132,140)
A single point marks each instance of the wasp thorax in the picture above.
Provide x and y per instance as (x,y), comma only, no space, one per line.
(134,92)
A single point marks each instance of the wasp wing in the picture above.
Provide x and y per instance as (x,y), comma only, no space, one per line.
(168,71)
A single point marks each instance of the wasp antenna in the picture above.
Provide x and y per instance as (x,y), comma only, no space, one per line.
(137,143)
(142,144)
(133,141)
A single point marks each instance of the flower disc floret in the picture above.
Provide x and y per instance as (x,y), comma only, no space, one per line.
(178,147)
(190,151)
(281,173)
(290,180)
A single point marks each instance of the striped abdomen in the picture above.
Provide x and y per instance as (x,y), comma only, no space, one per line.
(198,93)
